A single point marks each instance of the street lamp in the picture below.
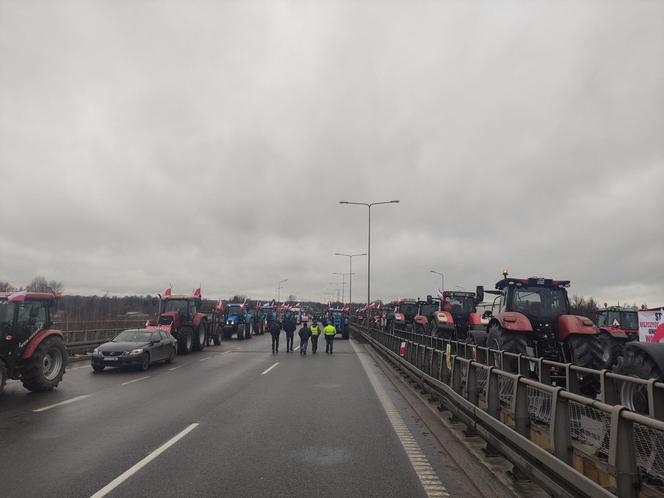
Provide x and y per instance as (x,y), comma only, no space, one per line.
(279,287)
(442,279)
(350,272)
(369,205)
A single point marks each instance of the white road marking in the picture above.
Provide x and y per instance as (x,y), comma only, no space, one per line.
(61,403)
(128,473)
(135,380)
(431,483)
(266,371)
(296,348)
(206,358)
(174,368)
(78,368)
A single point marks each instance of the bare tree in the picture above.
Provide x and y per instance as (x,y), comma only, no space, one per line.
(584,306)
(40,284)
(6,287)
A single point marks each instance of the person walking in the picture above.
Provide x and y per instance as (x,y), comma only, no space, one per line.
(315,332)
(330,331)
(275,331)
(289,327)
(305,333)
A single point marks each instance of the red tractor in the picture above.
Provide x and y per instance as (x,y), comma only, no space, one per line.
(532,316)
(453,316)
(405,311)
(30,350)
(617,326)
(181,317)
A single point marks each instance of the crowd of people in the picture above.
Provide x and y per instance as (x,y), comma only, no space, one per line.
(307,332)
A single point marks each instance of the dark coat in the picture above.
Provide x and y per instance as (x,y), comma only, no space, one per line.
(274,327)
(290,326)
(305,333)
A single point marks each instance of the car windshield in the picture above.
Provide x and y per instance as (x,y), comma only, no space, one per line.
(428,309)
(133,336)
(540,302)
(181,306)
(459,305)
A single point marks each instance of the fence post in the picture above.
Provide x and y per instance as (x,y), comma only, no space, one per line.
(543,372)
(561,437)
(492,395)
(572,380)
(471,384)
(609,392)
(456,375)
(520,407)
(655,400)
(622,456)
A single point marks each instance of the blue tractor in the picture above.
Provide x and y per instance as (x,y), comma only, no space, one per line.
(340,319)
(237,321)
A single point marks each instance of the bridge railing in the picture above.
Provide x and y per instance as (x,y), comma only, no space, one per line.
(610,384)
(83,337)
(537,422)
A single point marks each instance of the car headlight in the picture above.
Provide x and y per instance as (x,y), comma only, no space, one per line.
(136,351)
(97,352)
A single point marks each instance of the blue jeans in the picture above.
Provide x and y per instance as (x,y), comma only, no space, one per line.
(329,343)
(303,345)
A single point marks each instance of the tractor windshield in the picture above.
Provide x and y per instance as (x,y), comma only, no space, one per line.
(540,302)
(428,309)
(459,305)
(6,315)
(626,320)
(410,310)
(181,306)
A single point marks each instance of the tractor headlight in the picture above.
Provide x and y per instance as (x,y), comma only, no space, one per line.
(136,351)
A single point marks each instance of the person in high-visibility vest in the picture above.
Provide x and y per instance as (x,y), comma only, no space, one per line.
(330,331)
(315,332)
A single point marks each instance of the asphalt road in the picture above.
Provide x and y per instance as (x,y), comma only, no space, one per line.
(229,421)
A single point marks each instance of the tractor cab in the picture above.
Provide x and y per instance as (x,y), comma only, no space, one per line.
(619,319)
(178,309)
(22,315)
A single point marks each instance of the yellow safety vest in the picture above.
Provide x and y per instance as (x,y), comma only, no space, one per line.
(330,330)
(314,330)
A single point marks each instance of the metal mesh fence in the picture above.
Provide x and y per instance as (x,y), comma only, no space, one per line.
(649,447)
(590,426)
(506,390)
(482,376)
(539,405)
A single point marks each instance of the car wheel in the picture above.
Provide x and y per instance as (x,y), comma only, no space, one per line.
(98,368)
(171,356)
(145,364)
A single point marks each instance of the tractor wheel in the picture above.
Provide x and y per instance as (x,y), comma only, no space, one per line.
(612,348)
(636,363)
(586,351)
(419,329)
(444,333)
(510,342)
(199,337)
(239,333)
(98,368)
(216,338)
(185,340)
(474,340)
(3,377)
(171,357)
(45,368)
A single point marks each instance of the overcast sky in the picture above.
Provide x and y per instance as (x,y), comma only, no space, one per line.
(144,143)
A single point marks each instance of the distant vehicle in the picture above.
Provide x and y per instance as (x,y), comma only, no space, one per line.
(617,326)
(296,314)
(405,311)
(454,316)
(138,348)
(265,314)
(237,321)
(340,319)
(30,350)
(181,317)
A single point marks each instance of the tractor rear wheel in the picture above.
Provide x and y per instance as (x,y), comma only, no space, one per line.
(199,337)
(612,348)
(185,340)
(45,368)
(510,342)
(636,363)
(586,351)
(3,377)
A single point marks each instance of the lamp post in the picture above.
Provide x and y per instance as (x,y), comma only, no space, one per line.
(369,205)
(279,287)
(442,279)
(350,272)
(343,284)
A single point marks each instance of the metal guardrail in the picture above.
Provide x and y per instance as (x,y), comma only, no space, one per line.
(507,408)
(610,383)
(84,341)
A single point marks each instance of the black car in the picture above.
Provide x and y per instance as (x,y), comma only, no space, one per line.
(135,348)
